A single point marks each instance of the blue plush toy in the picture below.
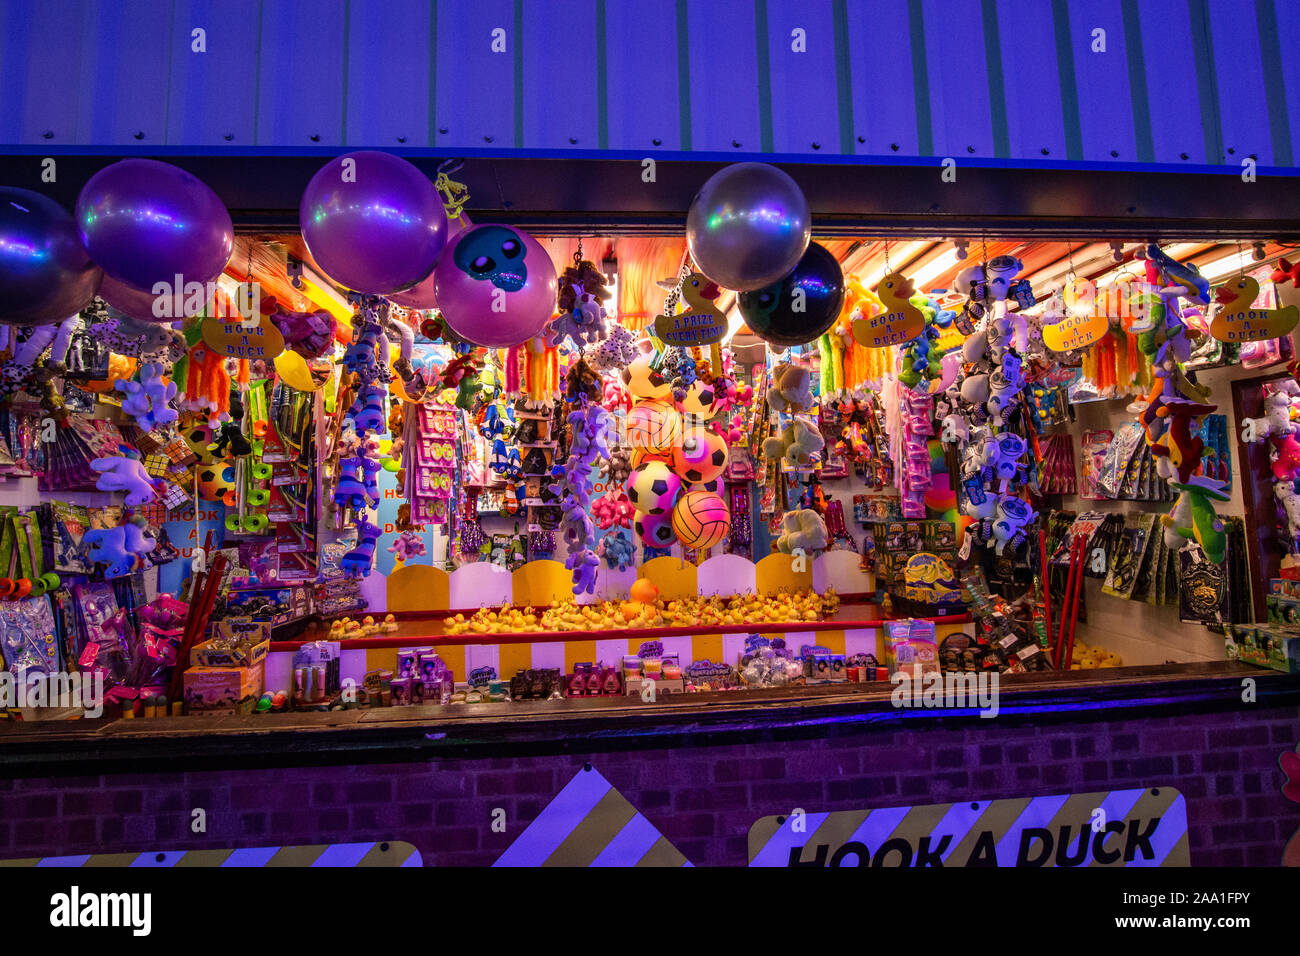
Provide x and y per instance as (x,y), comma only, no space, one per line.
(618,549)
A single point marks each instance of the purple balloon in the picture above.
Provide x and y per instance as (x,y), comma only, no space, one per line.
(140,305)
(373,222)
(422,295)
(145,222)
(45,274)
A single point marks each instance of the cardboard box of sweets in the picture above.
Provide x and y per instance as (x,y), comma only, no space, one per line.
(229,690)
(1267,647)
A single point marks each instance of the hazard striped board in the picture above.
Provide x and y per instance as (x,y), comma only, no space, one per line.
(589,823)
(1116,828)
(324,854)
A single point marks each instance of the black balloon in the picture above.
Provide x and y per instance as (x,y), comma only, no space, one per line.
(800,307)
(46,275)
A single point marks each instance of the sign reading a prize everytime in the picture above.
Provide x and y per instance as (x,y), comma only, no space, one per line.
(1116,828)
(691,328)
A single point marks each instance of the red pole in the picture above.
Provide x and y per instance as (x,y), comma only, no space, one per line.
(1047,583)
(1065,604)
(1074,615)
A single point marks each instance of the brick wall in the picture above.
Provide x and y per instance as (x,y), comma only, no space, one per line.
(703,799)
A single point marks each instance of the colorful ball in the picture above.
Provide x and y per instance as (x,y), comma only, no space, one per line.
(656,531)
(640,456)
(701,400)
(643,381)
(654,425)
(701,520)
(701,456)
(496,286)
(653,488)
(713,486)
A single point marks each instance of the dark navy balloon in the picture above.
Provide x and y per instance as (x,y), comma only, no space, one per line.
(373,222)
(145,222)
(802,306)
(45,274)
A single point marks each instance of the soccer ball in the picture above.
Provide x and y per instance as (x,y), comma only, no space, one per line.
(701,456)
(656,531)
(217,482)
(701,400)
(701,520)
(653,488)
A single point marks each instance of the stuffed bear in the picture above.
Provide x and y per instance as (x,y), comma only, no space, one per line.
(797,442)
(802,530)
(791,389)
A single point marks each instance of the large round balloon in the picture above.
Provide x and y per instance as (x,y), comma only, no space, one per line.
(140,305)
(373,222)
(145,222)
(801,306)
(496,286)
(421,295)
(45,274)
(748,226)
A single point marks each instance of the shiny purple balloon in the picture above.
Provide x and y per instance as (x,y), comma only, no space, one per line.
(45,274)
(496,286)
(145,222)
(373,222)
(140,305)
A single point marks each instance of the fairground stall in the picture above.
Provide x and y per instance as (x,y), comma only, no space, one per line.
(649,503)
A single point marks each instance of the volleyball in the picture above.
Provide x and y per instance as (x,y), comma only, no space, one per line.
(642,455)
(654,425)
(653,488)
(701,520)
(654,530)
(701,455)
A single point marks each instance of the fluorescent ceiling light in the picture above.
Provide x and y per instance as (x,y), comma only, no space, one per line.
(936,267)
(1228,264)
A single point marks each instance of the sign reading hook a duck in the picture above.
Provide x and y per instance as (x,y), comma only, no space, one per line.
(900,322)
(701,322)
(1237,321)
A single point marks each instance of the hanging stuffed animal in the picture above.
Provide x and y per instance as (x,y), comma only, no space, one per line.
(148,400)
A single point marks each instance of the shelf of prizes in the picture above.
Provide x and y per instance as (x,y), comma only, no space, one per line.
(339,467)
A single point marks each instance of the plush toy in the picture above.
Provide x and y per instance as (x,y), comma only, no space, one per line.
(118,548)
(802,530)
(613,509)
(310,334)
(147,400)
(1009,522)
(798,442)
(119,473)
(618,549)
(362,357)
(617,468)
(616,352)
(616,396)
(1285,493)
(358,561)
(408,545)
(791,389)
(367,411)
(207,384)
(357,484)
(1193,517)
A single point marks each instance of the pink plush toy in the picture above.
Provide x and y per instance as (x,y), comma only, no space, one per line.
(613,509)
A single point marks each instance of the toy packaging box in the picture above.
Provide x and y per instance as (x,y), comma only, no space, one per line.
(228,690)
(911,644)
(1267,647)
